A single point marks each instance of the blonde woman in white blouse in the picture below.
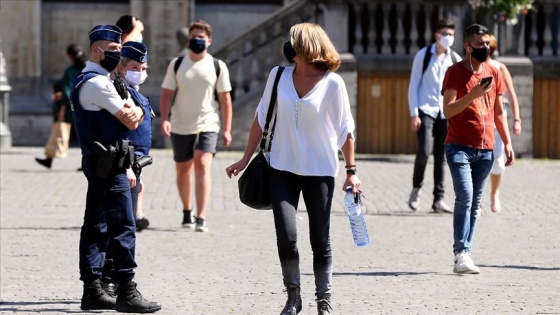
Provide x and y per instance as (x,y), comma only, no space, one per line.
(314,122)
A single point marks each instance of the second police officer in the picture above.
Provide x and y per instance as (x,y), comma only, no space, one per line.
(132,72)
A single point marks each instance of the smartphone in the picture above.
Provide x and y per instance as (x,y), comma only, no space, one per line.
(486,80)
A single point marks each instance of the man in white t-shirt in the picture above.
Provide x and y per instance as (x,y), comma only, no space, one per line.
(195,119)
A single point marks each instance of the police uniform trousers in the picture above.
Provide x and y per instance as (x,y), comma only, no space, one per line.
(109,225)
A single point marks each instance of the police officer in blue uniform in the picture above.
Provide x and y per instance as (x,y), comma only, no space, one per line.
(132,72)
(103,123)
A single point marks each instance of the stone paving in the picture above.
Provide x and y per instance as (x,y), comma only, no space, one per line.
(234,269)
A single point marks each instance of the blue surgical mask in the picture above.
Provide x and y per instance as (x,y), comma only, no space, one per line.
(197,45)
(140,38)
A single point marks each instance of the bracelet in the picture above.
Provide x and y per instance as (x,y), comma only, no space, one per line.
(351,171)
(350,166)
(519,120)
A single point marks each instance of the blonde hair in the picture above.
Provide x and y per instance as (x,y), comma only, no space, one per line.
(312,43)
(493,44)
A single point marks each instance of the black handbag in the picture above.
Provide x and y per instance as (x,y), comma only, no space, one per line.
(254,188)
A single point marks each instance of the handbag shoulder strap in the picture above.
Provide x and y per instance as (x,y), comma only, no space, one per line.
(271,107)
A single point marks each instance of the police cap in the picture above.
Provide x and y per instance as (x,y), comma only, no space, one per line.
(135,51)
(111,33)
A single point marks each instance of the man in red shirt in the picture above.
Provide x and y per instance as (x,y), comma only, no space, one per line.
(472,102)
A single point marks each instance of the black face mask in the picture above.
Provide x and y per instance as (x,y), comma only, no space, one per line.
(197,45)
(111,60)
(480,54)
(289,51)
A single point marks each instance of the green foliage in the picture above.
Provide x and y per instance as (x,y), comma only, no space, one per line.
(504,9)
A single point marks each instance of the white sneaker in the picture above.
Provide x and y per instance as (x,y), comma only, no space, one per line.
(441,207)
(464,264)
(414,200)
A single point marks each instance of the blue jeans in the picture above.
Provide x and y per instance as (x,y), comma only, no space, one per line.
(469,168)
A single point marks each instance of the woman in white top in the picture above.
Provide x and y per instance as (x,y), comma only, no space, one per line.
(499,158)
(314,122)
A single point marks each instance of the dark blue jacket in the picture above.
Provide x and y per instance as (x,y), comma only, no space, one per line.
(141,138)
(93,126)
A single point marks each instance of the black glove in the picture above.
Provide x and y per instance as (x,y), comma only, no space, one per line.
(120,86)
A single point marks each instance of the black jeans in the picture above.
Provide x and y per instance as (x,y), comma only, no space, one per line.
(431,134)
(317,194)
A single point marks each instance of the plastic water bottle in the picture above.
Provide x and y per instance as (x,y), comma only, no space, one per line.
(358,226)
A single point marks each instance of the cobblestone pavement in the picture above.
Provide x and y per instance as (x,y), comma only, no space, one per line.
(234,269)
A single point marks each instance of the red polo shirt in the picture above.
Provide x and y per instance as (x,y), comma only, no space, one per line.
(474,126)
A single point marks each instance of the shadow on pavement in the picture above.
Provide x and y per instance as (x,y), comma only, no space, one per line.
(522,267)
(43,170)
(380,273)
(24,307)
(62,228)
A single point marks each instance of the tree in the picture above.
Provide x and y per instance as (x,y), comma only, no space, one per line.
(505,10)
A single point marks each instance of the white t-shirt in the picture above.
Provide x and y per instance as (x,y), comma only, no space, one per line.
(99,92)
(195,110)
(310,130)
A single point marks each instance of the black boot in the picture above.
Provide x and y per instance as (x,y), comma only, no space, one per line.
(293,304)
(95,298)
(110,288)
(45,162)
(129,300)
(324,305)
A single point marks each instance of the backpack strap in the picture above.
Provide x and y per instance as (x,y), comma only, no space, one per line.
(271,107)
(427,57)
(216,67)
(177,64)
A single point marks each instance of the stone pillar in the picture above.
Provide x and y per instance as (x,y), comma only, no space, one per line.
(522,69)
(161,20)
(5,88)
(333,18)
(349,72)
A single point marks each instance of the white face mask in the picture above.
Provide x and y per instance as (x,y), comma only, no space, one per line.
(446,41)
(136,78)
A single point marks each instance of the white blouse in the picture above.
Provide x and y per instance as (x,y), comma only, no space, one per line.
(310,130)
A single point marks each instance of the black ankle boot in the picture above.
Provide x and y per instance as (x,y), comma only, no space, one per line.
(45,162)
(109,288)
(293,304)
(324,305)
(94,298)
(129,300)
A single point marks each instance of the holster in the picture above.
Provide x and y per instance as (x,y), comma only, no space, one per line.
(120,156)
(105,159)
(141,162)
(125,154)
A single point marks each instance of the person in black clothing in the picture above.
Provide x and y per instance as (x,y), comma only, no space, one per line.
(62,91)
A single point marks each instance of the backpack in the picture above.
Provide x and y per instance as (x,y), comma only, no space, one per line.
(428,56)
(216,66)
